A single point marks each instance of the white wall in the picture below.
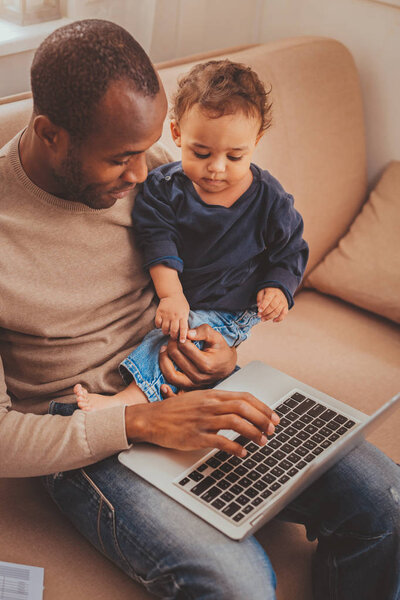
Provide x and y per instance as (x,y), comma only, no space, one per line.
(372,33)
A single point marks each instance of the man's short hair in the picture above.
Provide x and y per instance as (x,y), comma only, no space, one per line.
(222,87)
(73,67)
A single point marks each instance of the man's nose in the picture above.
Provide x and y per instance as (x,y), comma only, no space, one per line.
(136,170)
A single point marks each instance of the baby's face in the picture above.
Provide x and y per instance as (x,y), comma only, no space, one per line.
(216,152)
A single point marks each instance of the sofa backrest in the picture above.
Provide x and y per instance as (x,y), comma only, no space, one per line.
(316,145)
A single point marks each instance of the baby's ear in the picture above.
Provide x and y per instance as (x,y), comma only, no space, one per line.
(176,132)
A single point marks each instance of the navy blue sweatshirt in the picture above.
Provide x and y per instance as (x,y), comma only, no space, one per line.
(224,256)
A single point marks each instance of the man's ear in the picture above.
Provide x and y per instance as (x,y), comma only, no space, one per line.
(176,132)
(53,137)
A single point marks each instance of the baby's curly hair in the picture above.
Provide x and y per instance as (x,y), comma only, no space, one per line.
(74,66)
(222,87)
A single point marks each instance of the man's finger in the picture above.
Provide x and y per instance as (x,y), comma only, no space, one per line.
(222,443)
(183,328)
(158,321)
(170,373)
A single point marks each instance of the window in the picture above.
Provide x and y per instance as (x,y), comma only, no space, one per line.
(27,12)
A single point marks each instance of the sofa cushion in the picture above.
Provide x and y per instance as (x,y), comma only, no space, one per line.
(364,268)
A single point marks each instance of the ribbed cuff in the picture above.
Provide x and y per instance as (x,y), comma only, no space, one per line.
(106,431)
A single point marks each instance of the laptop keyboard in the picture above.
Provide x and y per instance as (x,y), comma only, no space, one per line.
(235,487)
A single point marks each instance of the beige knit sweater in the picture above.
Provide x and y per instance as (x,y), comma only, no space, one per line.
(74,301)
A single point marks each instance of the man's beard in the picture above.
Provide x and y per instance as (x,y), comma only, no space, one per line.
(72,181)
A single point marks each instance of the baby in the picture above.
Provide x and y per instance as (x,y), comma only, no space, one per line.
(220,236)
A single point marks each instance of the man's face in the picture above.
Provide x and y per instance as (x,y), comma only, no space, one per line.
(107,165)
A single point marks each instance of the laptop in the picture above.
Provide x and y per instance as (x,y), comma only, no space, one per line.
(238,495)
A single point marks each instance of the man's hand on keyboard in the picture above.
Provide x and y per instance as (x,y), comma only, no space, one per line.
(192,420)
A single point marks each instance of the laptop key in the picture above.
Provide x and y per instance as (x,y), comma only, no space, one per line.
(304,406)
(253,475)
(234,460)
(241,470)
(282,437)
(349,424)
(242,440)
(231,509)
(265,494)
(227,497)
(317,450)
(326,443)
(292,472)
(251,447)
(223,484)
(236,489)
(334,437)
(301,464)
(285,464)
(218,504)
(213,462)
(325,431)
(248,509)
(243,500)
(275,486)
(316,410)
(261,468)
(260,486)
(291,431)
(340,419)
(268,478)
(226,467)
(309,457)
(294,457)
(238,517)
(202,467)
(283,479)
(218,474)
(278,455)
(211,494)
(203,486)
(232,477)
(310,445)
(222,455)
(297,396)
(277,471)
(317,438)
(295,442)
(328,415)
(310,429)
(251,492)
(287,448)
(245,482)
(249,463)
(274,443)
(196,476)
(302,435)
(302,451)
(333,425)
(298,425)
(342,431)
(258,456)
(257,501)
(318,423)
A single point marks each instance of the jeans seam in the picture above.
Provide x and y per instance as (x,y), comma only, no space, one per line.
(112,509)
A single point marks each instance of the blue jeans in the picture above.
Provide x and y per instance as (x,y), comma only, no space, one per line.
(142,364)
(353,510)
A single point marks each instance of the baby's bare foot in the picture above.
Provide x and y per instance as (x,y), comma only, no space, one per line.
(89,402)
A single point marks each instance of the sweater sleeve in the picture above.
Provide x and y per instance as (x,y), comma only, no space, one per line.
(287,251)
(33,445)
(154,222)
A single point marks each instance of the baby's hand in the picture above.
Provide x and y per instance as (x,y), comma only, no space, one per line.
(172,316)
(272,304)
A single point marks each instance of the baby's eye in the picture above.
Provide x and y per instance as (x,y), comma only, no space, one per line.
(235,157)
(201,155)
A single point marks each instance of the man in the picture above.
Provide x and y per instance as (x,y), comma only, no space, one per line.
(75,301)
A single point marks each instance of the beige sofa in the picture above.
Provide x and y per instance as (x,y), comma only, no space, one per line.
(316,148)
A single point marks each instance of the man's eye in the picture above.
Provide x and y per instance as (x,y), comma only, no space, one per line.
(119,162)
(235,157)
(201,155)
